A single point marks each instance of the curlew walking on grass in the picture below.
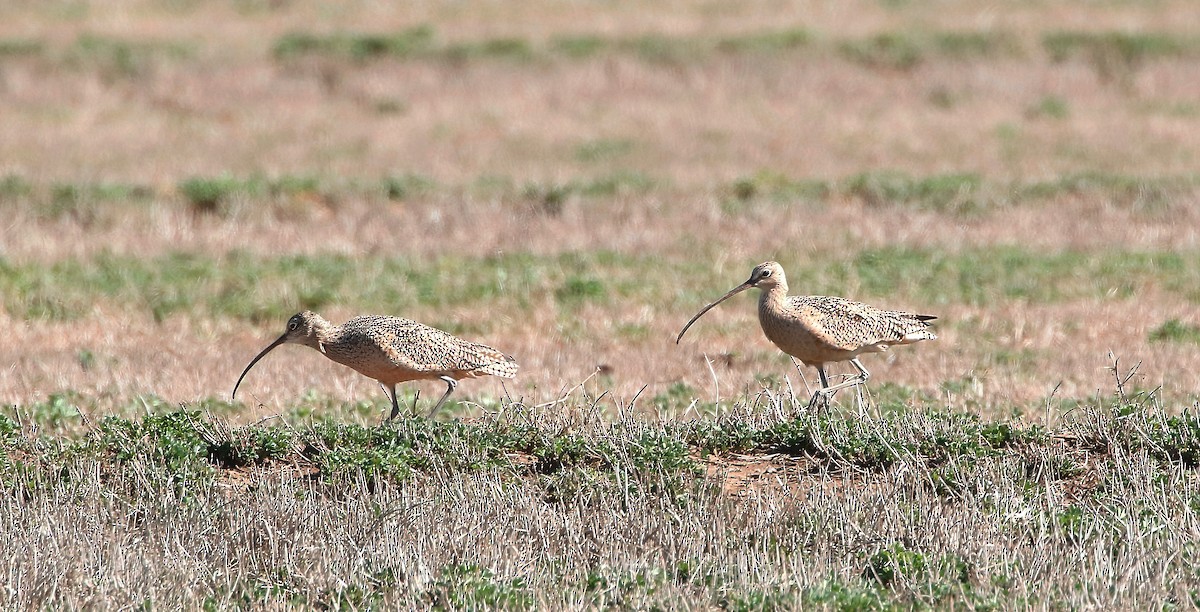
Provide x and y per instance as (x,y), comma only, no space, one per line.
(393,350)
(818,330)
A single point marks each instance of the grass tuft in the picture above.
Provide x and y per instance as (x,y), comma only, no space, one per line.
(117,58)
(889,50)
(406,43)
(945,192)
(1175,330)
(1116,56)
(632,483)
(20,47)
(893,563)
(211,196)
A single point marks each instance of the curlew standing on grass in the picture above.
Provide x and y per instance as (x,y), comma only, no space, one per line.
(393,350)
(817,329)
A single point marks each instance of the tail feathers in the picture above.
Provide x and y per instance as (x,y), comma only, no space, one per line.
(496,363)
(918,328)
(917,336)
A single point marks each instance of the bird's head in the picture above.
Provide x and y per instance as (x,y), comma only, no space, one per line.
(302,328)
(766,275)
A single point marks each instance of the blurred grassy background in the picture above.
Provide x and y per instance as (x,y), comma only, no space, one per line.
(569,182)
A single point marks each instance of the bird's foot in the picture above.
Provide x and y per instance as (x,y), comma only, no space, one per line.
(819,402)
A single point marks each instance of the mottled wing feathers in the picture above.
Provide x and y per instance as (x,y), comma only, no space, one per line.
(497,363)
(413,346)
(852,326)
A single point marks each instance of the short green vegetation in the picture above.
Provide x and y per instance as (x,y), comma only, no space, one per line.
(119,58)
(1175,330)
(269,289)
(902,50)
(1128,48)
(627,162)
(20,47)
(889,49)
(1050,107)
(405,43)
(965,194)
(930,508)
(1114,54)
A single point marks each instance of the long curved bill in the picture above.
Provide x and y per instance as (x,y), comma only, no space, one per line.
(254,361)
(732,292)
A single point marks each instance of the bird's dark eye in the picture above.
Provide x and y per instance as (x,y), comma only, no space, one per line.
(292,325)
(765,273)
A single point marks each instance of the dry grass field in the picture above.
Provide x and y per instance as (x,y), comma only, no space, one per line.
(570,182)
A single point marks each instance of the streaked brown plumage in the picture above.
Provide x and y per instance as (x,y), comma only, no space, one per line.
(393,350)
(818,329)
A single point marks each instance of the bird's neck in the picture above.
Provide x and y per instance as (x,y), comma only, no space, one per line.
(322,332)
(773,298)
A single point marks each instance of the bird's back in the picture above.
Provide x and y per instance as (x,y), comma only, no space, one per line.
(396,348)
(820,329)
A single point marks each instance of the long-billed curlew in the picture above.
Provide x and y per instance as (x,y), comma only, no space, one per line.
(393,350)
(817,329)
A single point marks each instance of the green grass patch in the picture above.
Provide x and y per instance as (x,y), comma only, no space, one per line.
(1174,330)
(14,187)
(773,41)
(906,50)
(576,290)
(216,195)
(266,289)
(406,43)
(186,447)
(889,50)
(945,192)
(1050,107)
(879,496)
(603,149)
(1127,48)
(398,451)
(982,276)
(892,563)
(552,198)
(935,437)
(580,46)
(470,587)
(405,186)
(1116,56)
(20,47)
(421,43)
(81,202)
(271,289)
(961,193)
(967,194)
(514,49)
(772,187)
(118,58)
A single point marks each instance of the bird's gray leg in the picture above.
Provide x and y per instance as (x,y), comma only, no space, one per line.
(820,394)
(863,373)
(821,373)
(827,391)
(395,404)
(451,384)
(862,377)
